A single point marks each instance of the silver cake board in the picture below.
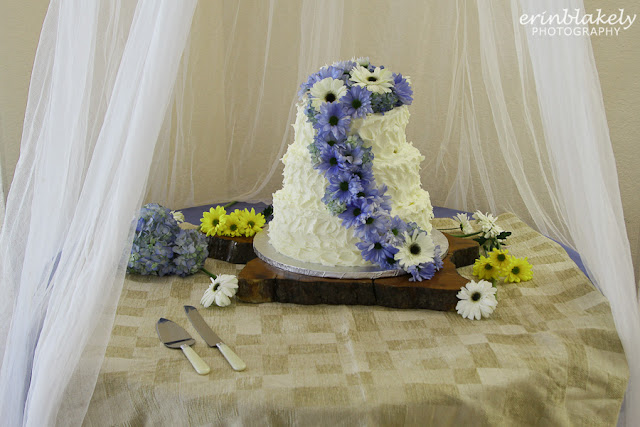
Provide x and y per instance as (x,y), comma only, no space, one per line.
(267,253)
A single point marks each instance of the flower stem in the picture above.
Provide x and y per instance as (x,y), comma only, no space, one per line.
(445,229)
(228,205)
(208,273)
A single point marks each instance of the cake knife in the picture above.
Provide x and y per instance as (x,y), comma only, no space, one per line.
(212,339)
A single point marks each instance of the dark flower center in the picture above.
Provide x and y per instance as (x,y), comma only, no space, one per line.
(488,267)
(357,211)
(344,186)
(333,161)
(414,248)
(372,79)
(361,194)
(233,227)
(251,224)
(216,222)
(377,245)
(370,220)
(356,103)
(394,231)
(515,270)
(476,296)
(333,120)
(330,97)
(331,143)
(501,257)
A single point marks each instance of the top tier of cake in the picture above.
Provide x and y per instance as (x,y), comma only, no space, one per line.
(302,226)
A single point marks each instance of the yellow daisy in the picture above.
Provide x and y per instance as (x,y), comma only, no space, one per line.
(500,258)
(233,226)
(212,221)
(252,222)
(484,269)
(519,270)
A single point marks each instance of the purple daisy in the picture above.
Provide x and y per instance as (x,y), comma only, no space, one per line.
(397,227)
(353,155)
(330,161)
(357,212)
(344,186)
(420,272)
(357,102)
(376,250)
(373,227)
(402,89)
(332,121)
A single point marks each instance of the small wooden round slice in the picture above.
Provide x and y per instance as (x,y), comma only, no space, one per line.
(236,250)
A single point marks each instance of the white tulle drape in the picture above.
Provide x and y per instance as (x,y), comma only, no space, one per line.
(507,121)
(101,84)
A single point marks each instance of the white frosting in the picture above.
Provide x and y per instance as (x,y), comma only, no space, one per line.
(302,226)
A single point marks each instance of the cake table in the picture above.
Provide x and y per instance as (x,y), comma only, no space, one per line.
(549,355)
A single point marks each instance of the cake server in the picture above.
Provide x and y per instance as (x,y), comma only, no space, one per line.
(174,336)
(212,339)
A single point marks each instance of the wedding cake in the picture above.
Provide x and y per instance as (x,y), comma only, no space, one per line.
(351,193)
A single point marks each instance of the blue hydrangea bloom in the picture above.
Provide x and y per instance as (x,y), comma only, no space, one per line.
(191,251)
(332,120)
(344,187)
(377,251)
(160,247)
(357,102)
(402,89)
(383,102)
(357,212)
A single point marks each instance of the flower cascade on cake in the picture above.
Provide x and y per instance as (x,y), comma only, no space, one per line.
(334,99)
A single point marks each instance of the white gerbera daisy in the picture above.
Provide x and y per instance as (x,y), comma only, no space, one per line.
(220,291)
(416,249)
(488,224)
(463,221)
(477,300)
(379,80)
(327,90)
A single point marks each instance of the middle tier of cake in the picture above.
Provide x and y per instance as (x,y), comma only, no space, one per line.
(302,226)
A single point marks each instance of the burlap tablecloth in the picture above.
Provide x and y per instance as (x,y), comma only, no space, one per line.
(549,355)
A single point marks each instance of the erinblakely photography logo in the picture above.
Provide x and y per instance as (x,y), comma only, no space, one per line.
(576,22)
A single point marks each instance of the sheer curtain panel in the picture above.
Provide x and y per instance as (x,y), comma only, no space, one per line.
(101,83)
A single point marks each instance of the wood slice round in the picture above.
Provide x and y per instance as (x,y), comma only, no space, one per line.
(259,282)
(236,250)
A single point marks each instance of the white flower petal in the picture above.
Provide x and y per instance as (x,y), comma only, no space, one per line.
(221,299)
(208,297)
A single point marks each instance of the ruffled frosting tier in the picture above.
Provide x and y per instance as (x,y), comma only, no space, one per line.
(302,226)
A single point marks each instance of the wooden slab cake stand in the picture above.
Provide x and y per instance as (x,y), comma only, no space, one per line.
(259,282)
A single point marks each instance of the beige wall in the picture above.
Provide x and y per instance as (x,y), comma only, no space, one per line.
(618,62)
(617,59)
